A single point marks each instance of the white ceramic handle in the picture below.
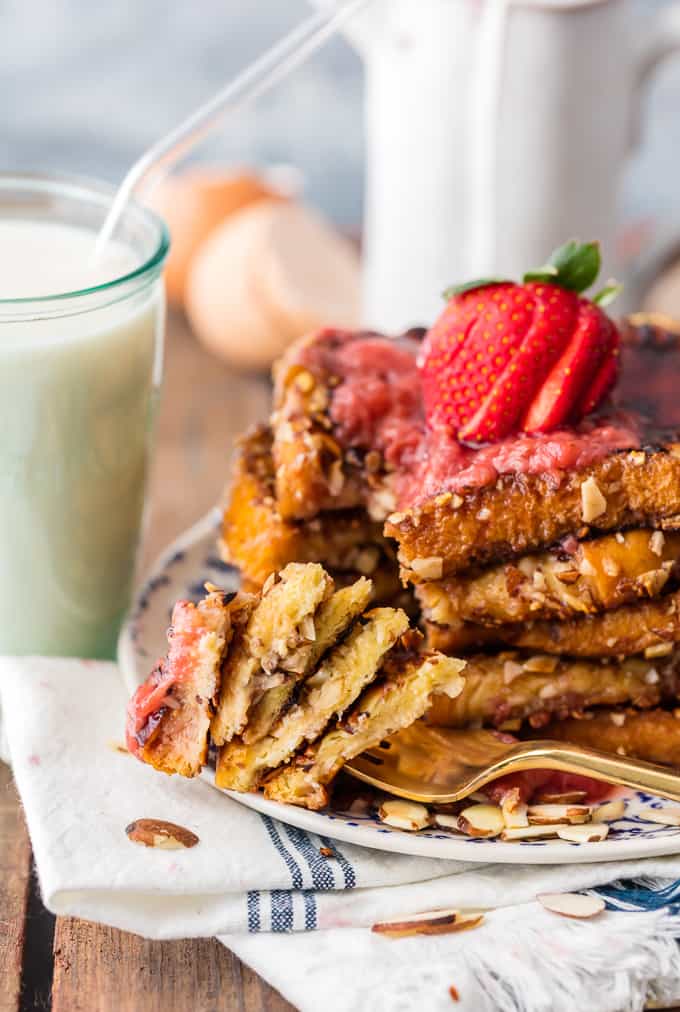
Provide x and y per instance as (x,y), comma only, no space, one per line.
(661,42)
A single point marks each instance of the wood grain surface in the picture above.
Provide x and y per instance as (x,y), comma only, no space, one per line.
(98,969)
(15,862)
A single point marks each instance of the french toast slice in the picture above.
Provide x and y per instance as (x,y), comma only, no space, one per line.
(332,688)
(332,619)
(343,438)
(262,676)
(314,471)
(169,716)
(650,627)
(258,540)
(596,575)
(274,645)
(530,512)
(396,701)
(506,689)
(652,735)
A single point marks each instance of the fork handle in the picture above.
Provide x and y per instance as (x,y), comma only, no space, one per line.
(623,770)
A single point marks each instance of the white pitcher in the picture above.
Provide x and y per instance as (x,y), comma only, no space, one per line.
(496,130)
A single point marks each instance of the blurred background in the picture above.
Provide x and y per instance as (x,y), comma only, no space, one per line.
(85,86)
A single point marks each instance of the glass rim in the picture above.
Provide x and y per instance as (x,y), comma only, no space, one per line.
(88,187)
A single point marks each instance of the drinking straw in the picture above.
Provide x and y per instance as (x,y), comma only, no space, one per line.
(261,75)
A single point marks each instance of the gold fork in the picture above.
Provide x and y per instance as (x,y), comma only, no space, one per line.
(437,765)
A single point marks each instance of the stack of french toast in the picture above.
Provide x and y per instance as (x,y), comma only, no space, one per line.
(509,479)
(286,685)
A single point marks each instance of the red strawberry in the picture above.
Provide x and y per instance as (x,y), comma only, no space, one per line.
(505,356)
(570,382)
(604,379)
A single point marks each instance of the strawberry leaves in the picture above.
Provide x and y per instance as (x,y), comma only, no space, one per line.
(606,295)
(469,286)
(573,266)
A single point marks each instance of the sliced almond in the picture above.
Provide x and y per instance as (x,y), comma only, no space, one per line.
(514,810)
(532,832)
(590,832)
(511,671)
(593,503)
(565,798)
(157,833)
(546,815)
(430,568)
(610,811)
(611,567)
(433,922)
(444,820)
(659,650)
(404,815)
(481,820)
(572,904)
(668,816)
(543,663)
(587,568)
(656,542)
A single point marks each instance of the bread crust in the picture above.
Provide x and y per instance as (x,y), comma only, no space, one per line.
(506,689)
(653,735)
(528,512)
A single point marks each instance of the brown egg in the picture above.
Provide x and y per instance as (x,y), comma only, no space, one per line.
(193,204)
(266,276)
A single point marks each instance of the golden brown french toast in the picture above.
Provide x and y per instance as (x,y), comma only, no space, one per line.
(592,576)
(330,691)
(649,627)
(259,541)
(273,647)
(519,513)
(503,690)
(263,676)
(653,735)
(348,431)
(332,619)
(394,702)
(169,716)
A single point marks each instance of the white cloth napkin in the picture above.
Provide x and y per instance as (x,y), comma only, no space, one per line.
(299,918)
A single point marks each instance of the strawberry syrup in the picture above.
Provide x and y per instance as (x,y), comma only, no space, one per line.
(377,405)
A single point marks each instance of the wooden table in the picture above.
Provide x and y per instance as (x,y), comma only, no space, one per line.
(72,966)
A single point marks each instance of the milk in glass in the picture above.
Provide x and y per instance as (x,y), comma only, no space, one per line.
(79,377)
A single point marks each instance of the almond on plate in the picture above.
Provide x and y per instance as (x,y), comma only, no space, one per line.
(532,832)
(545,815)
(445,820)
(407,815)
(572,904)
(588,832)
(431,922)
(481,820)
(514,810)
(566,798)
(610,811)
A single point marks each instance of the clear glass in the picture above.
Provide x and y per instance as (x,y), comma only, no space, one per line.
(80,377)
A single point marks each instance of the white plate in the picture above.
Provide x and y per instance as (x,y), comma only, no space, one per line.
(181,572)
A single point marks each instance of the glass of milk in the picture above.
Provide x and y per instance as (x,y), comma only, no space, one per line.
(81,348)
